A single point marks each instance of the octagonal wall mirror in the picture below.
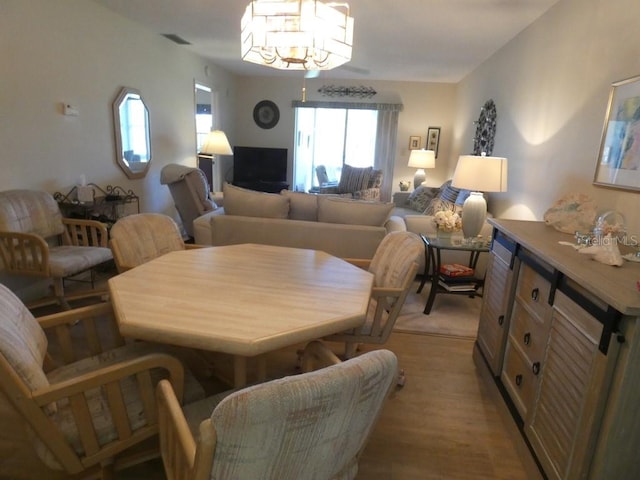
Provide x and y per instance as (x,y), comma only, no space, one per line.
(131,125)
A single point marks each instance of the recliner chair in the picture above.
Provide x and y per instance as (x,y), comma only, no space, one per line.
(190,192)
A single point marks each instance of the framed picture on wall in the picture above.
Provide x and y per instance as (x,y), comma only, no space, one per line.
(414,143)
(433,139)
(619,156)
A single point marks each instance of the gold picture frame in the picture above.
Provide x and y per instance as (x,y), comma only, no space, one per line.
(618,163)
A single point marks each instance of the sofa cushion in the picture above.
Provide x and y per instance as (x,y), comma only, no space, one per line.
(353,212)
(249,203)
(302,206)
(353,179)
(419,199)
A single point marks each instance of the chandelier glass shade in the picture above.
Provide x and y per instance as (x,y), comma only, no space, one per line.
(297,34)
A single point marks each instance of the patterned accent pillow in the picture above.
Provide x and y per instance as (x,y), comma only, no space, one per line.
(448,193)
(420,198)
(353,179)
(438,205)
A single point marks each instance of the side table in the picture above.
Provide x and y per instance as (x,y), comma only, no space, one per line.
(400,198)
(432,248)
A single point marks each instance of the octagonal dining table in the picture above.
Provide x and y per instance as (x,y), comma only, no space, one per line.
(245,300)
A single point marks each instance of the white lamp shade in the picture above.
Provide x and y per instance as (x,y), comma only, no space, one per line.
(216,143)
(422,159)
(481,173)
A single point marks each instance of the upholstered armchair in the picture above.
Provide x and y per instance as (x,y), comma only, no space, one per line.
(79,396)
(312,425)
(136,239)
(35,240)
(394,266)
(190,192)
(359,183)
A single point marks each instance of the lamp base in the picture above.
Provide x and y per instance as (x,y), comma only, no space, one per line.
(474,214)
(419,178)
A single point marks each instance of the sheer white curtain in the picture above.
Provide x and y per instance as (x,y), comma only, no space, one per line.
(386,141)
(386,137)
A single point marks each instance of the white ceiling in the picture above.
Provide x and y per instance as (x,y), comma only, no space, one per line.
(407,40)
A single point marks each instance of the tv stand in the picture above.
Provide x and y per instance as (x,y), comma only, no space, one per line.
(263,186)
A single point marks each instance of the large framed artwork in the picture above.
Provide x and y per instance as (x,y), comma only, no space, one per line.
(619,156)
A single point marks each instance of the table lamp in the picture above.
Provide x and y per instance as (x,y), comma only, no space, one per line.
(216,143)
(421,159)
(478,174)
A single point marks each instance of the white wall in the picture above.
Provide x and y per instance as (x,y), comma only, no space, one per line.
(425,105)
(551,86)
(78,52)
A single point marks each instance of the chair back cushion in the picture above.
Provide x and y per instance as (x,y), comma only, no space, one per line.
(353,179)
(22,340)
(190,192)
(394,258)
(305,426)
(30,211)
(143,237)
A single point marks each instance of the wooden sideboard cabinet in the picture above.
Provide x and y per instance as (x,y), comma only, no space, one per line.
(569,362)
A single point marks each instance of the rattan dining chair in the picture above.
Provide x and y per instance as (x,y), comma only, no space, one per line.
(312,425)
(394,267)
(84,397)
(136,239)
(36,241)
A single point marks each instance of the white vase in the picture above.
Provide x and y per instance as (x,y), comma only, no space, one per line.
(474,213)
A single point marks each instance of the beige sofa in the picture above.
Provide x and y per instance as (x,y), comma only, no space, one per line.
(342,227)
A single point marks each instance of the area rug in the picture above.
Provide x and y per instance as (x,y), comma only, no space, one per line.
(451,315)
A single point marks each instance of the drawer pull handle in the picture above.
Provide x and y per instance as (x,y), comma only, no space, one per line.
(535,293)
(535,368)
(527,338)
(518,380)
(500,320)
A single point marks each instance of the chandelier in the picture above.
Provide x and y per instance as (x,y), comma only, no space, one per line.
(297,34)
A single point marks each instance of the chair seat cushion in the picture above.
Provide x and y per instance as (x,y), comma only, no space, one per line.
(97,399)
(69,259)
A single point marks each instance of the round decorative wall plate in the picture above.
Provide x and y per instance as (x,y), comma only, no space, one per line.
(266,114)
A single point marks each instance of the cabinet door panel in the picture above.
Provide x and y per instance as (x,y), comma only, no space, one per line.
(573,385)
(518,379)
(493,325)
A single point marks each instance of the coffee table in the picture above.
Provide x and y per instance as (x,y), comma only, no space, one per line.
(244,300)
(433,245)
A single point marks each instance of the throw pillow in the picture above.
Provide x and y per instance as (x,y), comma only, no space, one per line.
(420,198)
(448,193)
(353,212)
(353,179)
(302,206)
(440,205)
(249,203)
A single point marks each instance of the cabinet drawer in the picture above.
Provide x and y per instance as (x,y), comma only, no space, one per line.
(533,291)
(529,332)
(518,379)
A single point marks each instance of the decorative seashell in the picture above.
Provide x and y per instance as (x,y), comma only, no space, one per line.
(606,251)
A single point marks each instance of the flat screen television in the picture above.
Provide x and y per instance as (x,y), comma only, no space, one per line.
(258,164)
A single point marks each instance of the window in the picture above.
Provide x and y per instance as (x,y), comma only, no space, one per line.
(204,113)
(337,133)
(332,137)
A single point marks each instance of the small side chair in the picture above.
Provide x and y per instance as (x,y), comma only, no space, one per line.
(86,398)
(394,266)
(136,239)
(35,240)
(312,425)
